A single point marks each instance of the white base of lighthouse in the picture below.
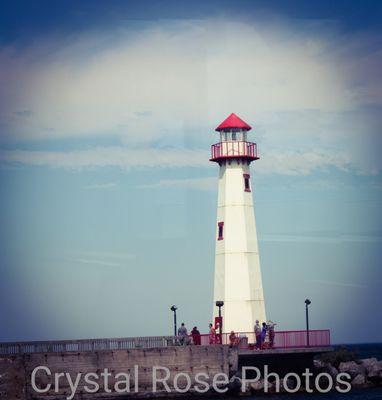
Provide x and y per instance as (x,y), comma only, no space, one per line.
(237,266)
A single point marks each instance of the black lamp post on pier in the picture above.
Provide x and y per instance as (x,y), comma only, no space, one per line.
(307,303)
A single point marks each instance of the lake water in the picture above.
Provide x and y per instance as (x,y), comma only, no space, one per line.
(365,350)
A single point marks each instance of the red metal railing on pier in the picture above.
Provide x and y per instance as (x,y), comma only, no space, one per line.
(281,340)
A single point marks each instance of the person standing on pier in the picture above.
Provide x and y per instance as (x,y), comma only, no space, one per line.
(212,335)
(271,330)
(182,334)
(196,338)
(263,334)
(258,334)
(232,339)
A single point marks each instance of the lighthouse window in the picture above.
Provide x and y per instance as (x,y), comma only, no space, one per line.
(220,230)
(233,135)
(247,185)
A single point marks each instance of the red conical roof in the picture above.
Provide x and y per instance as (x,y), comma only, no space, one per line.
(233,121)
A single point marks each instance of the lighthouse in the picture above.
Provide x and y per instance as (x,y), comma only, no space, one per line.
(237,266)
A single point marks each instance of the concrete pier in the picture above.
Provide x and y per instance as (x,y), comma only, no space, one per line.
(16,370)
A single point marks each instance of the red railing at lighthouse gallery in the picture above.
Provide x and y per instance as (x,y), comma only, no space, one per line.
(234,149)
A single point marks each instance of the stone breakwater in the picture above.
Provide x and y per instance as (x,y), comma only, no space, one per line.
(364,373)
(322,377)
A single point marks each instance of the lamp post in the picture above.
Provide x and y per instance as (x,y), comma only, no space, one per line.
(220,304)
(307,303)
(173,309)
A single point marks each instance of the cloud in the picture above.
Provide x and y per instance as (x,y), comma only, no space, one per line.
(339,284)
(208,183)
(120,157)
(23,113)
(312,93)
(108,255)
(287,162)
(97,262)
(275,162)
(102,258)
(100,186)
(321,238)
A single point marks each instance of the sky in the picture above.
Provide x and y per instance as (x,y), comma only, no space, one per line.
(108,199)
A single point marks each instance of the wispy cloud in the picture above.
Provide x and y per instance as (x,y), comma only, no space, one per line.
(121,157)
(208,183)
(97,262)
(109,254)
(282,162)
(101,186)
(102,258)
(339,284)
(321,238)
(287,162)
(23,113)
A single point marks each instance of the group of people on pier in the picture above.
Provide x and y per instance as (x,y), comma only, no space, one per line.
(264,335)
(196,338)
(262,332)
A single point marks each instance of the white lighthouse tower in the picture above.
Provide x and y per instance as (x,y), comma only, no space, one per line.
(237,267)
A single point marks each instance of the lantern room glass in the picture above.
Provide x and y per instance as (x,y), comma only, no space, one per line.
(235,135)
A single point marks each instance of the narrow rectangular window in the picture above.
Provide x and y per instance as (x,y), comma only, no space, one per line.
(233,135)
(247,184)
(220,230)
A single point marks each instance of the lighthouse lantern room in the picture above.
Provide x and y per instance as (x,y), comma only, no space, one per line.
(237,267)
